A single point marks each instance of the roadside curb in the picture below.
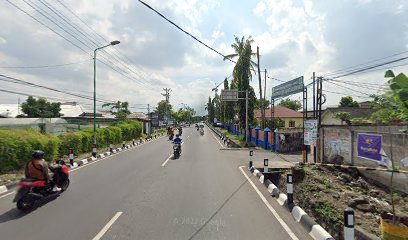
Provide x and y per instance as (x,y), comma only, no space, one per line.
(223,138)
(9,186)
(316,231)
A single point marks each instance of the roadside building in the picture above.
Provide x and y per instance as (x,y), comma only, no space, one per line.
(291,118)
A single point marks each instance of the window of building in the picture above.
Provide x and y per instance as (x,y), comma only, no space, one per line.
(292,124)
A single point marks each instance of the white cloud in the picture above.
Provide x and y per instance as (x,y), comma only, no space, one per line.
(295,38)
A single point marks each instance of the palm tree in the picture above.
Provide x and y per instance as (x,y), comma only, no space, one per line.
(239,47)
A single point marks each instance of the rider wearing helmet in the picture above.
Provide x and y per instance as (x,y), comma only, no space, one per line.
(177,141)
(37,168)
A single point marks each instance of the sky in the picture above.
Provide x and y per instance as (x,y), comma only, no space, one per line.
(295,38)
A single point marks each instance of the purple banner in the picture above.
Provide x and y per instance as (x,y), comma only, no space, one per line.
(369,146)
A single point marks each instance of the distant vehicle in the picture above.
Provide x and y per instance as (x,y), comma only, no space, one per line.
(218,124)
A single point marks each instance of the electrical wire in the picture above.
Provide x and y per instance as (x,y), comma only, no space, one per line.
(184,31)
(54,20)
(362,64)
(329,81)
(111,65)
(19,81)
(45,66)
(370,67)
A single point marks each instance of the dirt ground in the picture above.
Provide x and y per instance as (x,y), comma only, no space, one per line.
(325,192)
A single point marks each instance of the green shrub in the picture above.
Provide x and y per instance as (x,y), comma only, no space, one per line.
(17,147)
(70,140)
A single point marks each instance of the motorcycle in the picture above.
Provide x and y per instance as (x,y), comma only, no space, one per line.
(176,150)
(171,137)
(32,190)
(202,132)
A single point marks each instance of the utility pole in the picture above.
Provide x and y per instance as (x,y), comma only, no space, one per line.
(260,85)
(148,117)
(18,107)
(314,112)
(264,103)
(167,95)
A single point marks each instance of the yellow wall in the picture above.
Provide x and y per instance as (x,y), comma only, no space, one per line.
(298,122)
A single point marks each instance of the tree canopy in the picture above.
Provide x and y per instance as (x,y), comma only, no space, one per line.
(161,109)
(292,104)
(348,101)
(119,109)
(41,108)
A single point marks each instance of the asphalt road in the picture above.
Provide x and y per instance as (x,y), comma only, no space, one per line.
(142,194)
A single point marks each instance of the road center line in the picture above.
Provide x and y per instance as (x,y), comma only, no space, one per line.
(107,226)
(280,220)
(165,162)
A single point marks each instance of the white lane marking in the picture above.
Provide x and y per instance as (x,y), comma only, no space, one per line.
(215,138)
(164,163)
(282,223)
(5,195)
(107,226)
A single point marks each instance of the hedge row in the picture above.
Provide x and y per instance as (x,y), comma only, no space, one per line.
(16,146)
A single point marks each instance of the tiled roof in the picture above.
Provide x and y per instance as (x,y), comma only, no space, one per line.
(279,112)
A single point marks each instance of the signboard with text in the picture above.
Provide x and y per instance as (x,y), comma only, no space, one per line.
(369,146)
(288,88)
(229,95)
(310,133)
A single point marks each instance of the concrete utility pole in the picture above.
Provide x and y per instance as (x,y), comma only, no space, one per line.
(264,103)
(260,85)
(167,95)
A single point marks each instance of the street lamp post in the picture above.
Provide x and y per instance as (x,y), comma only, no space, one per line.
(94,96)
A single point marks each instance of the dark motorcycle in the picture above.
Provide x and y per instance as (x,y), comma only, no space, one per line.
(202,132)
(176,150)
(171,136)
(32,190)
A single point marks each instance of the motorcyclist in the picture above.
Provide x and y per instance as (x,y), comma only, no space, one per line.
(171,133)
(180,130)
(202,131)
(38,169)
(178,141)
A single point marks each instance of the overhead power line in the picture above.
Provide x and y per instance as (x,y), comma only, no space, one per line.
(184,31)
(353,90)
(22,82)
(45,66)
(63,27)
(370,67)
(362,64)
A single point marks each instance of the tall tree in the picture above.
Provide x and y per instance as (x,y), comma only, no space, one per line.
(40,108)
(348,101)
(259,103)
(292,104)
(161,109)
(242,76)
(119,109)
(210,110)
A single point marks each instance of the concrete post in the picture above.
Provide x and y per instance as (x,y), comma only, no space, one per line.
(348,224)
(289,186)
(251,154)
(266,165)
(71,156)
